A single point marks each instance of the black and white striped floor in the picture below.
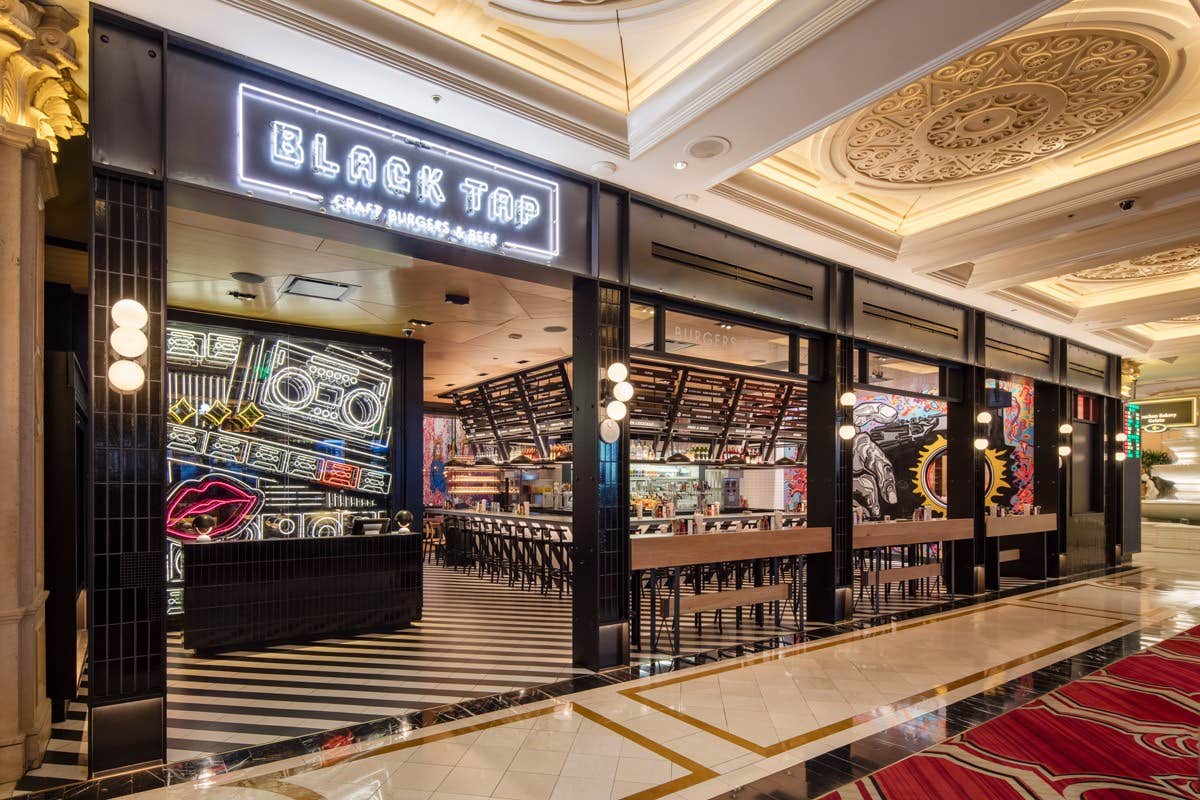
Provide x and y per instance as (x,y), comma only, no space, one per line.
(66,754)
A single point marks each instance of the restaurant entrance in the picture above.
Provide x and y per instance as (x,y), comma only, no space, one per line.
(316,398)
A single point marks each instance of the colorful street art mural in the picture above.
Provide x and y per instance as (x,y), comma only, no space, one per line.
(1018,440)
(444,439)
(898,454)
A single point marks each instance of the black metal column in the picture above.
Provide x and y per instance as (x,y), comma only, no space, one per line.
(964,484)
(408,372)
(829,586)
(1114,495)
(1049,486)
(601,485)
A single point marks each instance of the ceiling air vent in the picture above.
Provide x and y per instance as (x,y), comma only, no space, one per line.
(316,287)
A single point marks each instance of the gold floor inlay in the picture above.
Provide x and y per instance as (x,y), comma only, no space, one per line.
(790,743)
(277,782)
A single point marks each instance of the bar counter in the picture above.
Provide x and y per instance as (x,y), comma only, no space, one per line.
(252,592)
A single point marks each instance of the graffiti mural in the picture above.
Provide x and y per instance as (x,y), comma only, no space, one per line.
(893,431)
(1017,422)
(444,440)
(271,436)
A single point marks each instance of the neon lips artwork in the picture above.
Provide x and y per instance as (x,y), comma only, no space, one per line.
(227,499)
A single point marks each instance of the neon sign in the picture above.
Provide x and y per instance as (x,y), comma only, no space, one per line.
(227,500)
(361,170)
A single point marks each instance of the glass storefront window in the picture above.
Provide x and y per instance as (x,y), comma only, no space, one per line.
(713,339)
(641,326)
(904,375)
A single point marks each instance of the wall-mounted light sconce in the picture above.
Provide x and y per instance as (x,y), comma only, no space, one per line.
(1119,456)
(984,417)
(616,409)
(847,432)
(848,399)
(129,342)
(1066,428)
(981,444)
(1064,450)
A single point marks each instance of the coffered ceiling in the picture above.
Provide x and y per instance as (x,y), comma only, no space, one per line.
(980,151)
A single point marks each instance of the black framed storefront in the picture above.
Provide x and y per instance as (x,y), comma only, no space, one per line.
(405,186)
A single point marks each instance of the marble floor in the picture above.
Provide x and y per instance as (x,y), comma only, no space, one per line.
(709,730)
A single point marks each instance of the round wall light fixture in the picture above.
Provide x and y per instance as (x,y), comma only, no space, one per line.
(847,432)
(1119,455)
(981,443)
(1121,437)
(610,431)
(128,342)
(617,372)
(1065,428)
(848,398)
(616,410)
(1064,450)
(126,376)
(983,417)
(129,313)
(623,391)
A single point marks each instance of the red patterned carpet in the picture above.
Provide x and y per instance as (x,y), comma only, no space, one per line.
(1129,731)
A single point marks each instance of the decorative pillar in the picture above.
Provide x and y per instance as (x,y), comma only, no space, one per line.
(37,107)
(830,582)
(600,516)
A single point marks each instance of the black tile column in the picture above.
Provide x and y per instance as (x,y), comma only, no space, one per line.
(964,484)
(601,481)
(127,648)
(1048,484)
(829,584)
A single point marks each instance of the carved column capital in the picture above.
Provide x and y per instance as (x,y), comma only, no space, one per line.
(37,62)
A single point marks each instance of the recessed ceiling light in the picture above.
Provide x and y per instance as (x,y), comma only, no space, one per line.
(680,165)
(554,329)
(515,335)
(449,384)
(247,277)
(523,361)
(687,198)
(428,377)
(420,323)
(481,374)
(603,168)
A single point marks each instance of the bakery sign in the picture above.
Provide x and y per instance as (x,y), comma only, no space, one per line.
(324,159)
(1171,412)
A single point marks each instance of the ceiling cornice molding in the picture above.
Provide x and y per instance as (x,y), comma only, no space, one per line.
(1127,338)
(426,48)
(926,250)
(714,79)
(1181,346)
(1145,309)
(1033,300)
(767,197)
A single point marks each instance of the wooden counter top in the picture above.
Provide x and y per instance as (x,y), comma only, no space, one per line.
(893,534)
(1021,523)
(665,550)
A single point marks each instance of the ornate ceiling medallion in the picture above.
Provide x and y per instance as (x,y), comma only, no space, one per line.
(1005,106)
(1175,261)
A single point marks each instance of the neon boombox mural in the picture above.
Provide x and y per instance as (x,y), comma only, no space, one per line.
(272,437)
(386,177)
